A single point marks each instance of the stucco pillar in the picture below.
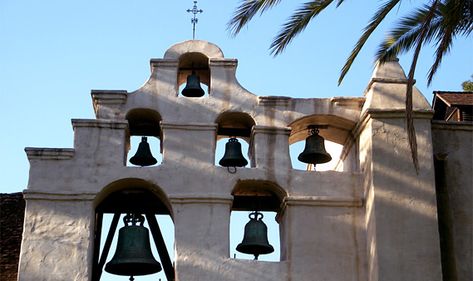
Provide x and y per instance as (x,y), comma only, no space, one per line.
(99,142)
(193,144)
(401,211)
(270,148)
(201,237)
(57,238)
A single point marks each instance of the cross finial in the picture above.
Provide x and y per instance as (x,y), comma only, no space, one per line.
(194,20)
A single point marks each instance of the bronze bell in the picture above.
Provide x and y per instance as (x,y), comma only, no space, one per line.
(133,254)
(314,151)
(255,240)
(143,156)
(233,156)
(193,88)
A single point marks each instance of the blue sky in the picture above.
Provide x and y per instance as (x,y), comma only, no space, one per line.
(52,53)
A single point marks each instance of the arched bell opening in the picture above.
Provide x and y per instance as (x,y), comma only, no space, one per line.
(133,233)
(144,145)
(193,75)
(317,143)
(256,221)
(233,140)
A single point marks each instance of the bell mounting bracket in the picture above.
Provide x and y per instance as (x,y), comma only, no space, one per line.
(313,129)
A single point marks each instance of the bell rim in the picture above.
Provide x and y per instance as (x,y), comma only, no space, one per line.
(152,161)
(267,249)
(228,163)
(112,269)
(200,93)
(323,158)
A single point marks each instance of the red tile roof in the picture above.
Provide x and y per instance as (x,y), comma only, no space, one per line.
(12,211)
(455,98)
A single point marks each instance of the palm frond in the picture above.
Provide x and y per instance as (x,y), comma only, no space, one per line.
(466,26)
(407,33)
(297,23)
(340,2)
(377,18)
(246,11)
(411,133)
(456,18)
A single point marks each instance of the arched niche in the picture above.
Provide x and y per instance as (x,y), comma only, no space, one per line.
(267,199)
(135,188)
(258,195)
(233,125)
(145,122)
(137,197)
(334,129)
(193,62)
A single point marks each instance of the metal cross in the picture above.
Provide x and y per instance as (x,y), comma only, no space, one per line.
(194,20)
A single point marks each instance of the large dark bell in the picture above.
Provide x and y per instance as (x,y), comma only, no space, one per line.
(233,156)
(133,256)
(314,151)
(143,156)
(193,88)
(255,240)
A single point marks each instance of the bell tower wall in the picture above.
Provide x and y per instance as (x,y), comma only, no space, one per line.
(333,225)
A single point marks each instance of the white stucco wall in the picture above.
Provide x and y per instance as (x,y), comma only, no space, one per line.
(336,225)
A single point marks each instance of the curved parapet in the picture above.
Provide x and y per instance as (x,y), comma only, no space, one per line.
(210,50)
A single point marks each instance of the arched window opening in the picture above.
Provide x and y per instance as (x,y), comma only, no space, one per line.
(316,143)
(133,235)
(193,76)
(254,222)
(233,140)
(332,148)
(145,138)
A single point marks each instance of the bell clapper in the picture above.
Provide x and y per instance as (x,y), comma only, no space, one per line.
(310,167)
(131,278)
(232,169)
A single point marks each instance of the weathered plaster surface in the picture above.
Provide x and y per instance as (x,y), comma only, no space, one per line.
(401,211)
(57,240)
(336,225)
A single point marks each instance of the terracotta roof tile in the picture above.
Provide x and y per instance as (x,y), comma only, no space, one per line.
(12,209)
(455,98)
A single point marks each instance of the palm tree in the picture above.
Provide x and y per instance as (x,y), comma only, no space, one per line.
(468,85)
(437,22)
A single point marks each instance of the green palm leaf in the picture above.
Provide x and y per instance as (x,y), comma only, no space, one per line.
(246,11)
(439,22)
(297,23)
(406,34)
(457,19)
(377,18)
(424,31)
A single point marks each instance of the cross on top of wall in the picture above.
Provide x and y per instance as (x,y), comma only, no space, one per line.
(194,20)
